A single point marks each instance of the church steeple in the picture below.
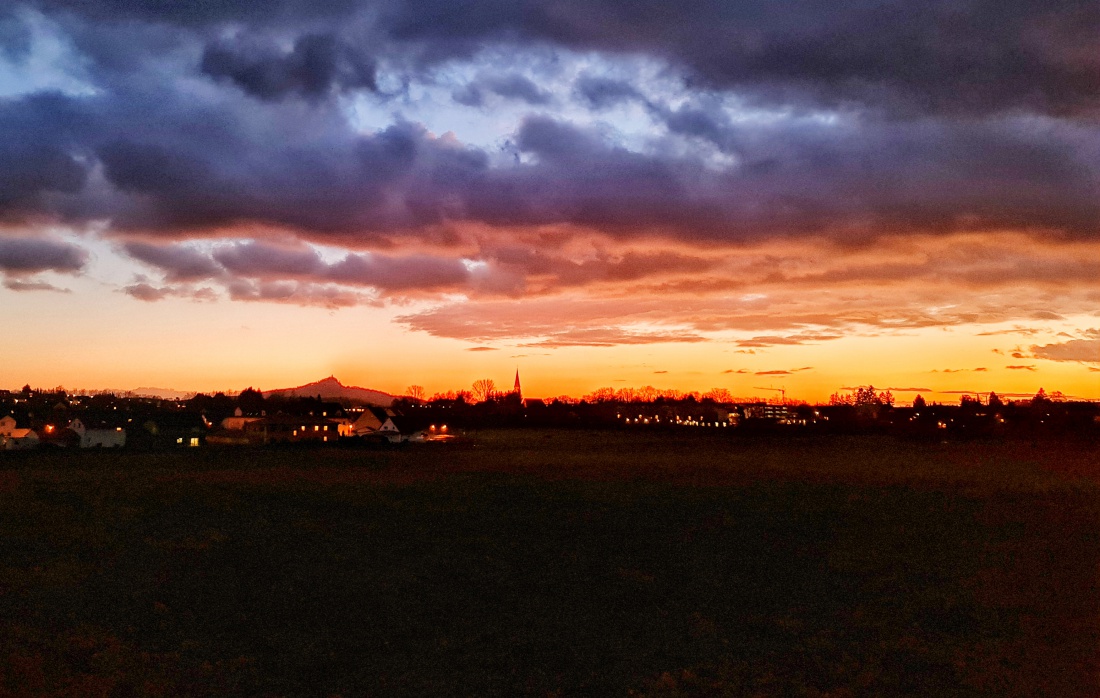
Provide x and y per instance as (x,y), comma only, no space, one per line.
(516,389)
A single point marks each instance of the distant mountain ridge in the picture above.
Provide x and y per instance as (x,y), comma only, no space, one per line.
(332,389)
(163,393)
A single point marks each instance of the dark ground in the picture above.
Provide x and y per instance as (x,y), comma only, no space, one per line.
(555,563)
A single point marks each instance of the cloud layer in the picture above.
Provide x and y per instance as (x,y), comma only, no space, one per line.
(629,173)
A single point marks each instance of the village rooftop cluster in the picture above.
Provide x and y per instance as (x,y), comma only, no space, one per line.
(33,418)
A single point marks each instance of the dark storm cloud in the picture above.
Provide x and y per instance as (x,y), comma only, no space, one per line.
(883,177)
(469,95)
(515,86)
(707,124)
(38,152)
(601,93)
(15,35)
(153,156)
(175,165)
(20,255)
(945,56)
(206,13)
(315,67)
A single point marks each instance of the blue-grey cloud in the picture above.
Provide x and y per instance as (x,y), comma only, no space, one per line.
(602,92)
(179,263)
(515,86)
(28,255)
(201,119)
(945,56)
(317,65)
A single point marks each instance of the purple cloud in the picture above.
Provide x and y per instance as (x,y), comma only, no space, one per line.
(178,262)
(23,255)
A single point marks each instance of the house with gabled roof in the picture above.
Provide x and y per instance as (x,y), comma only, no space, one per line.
(12,438)
(370,421)
(19,440)
(399,428)
(98,434)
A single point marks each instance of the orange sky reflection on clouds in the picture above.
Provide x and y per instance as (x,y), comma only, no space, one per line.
(98,338)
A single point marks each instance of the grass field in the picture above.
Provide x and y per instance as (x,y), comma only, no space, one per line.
(555,563)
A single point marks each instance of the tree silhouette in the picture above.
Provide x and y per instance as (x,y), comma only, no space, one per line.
(647,393)
(601,395)
(918,402)
(484,389)
(250,400)
(416,392)
(995,401)
(866,396)
(719,395)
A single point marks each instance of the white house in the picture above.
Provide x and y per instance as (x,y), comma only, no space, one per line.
(403,429)
(99,438)
(7,425)
(371,420)
(19,440)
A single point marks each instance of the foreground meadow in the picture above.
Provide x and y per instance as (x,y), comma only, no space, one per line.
(555,563)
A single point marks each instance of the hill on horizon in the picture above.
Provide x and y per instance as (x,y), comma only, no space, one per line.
(163,393)
(332,389)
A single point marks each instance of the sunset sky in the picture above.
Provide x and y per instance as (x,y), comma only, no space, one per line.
(803,195)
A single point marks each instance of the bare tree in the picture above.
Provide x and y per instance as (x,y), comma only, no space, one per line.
(647,393)
(601,395)
(484,389)
(416,392)
(719,395)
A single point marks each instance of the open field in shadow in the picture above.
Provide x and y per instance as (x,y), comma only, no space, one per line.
(555,563)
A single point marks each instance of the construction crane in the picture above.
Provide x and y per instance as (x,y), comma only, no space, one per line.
(782,393)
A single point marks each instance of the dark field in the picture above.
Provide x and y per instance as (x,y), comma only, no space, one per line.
(555,563)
